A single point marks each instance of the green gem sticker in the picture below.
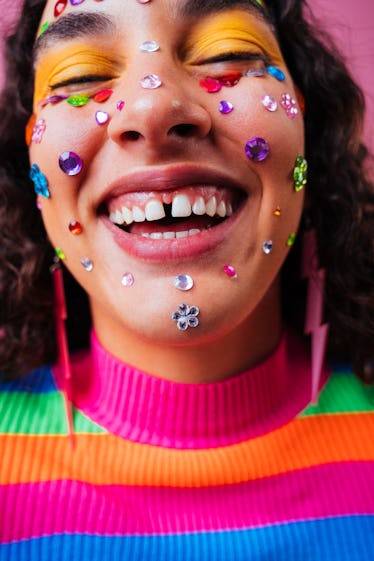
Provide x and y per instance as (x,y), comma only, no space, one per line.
(60,254)
(300,173)
(78,100)
(43,28)
(291,239)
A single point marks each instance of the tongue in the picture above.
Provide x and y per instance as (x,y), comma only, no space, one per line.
(172,225)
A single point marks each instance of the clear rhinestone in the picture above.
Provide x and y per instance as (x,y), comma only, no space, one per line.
(127,279)
(149,47)
(267,247)
(101,117)
(87,264)
(183,282)
(150,82)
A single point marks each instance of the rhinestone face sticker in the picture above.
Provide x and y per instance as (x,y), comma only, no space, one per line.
(150,82)
(289,105)
(76,2)
(183,282)
(38,131)
(255,73)
(102,95)
(225,107)
(120,104)
(60,254)
(101,117)
(230,271)
(127,279)
(277,211)
(257,149)
(149,47)
(75,227)
(300,173)
(267,247)
(276,72)
(60,7)
(210,85)
(143,1)
(87,264)
(291,239)
(269,102)
(70,163)
(186,316)
(40,182)
(78,100)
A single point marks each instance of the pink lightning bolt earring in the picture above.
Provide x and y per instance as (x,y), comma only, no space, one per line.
(62,343)
(314,308)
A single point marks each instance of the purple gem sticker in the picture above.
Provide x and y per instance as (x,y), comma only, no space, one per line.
(70,163)
(76,2)
(257,149)
(225,107)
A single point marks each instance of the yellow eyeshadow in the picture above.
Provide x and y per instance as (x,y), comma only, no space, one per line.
(72,62)
(237,31)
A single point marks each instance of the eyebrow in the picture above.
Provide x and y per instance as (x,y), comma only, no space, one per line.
(73,26)
(193,8)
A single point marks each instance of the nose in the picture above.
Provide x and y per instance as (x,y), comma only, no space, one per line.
(159,117)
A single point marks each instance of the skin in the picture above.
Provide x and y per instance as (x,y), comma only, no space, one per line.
(240,319)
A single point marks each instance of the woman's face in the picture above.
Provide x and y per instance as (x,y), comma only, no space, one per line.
(174,179)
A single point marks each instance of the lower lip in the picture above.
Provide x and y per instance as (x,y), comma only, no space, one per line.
(149,249)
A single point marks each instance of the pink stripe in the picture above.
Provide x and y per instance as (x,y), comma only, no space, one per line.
(32,510)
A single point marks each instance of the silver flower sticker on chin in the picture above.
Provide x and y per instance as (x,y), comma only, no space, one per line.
(186,316)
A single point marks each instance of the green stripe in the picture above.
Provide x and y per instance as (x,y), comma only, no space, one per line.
(28,413)
(344,393)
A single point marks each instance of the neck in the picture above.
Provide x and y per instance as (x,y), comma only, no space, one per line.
(214,360)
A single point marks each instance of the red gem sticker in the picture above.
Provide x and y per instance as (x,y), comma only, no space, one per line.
(60,7)
(75,227)
(102,96)
(211,85)
(230,79)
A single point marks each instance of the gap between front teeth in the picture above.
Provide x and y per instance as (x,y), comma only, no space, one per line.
(180,208)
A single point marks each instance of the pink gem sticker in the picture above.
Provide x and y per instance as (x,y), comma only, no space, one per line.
(230,271)
(127,280)
(38,131)
(289,105)
(120,105)
(269,102)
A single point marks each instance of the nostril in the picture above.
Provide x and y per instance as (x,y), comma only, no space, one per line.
(131,135)
(183,130)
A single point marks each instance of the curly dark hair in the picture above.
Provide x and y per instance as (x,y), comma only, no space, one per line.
(339,204)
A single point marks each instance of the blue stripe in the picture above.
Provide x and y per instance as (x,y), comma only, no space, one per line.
(348,538)
(38,381)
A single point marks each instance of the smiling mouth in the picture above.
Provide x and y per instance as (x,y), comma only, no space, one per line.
(173,214)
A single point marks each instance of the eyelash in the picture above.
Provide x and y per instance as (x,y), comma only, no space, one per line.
(232,56)
(81,80)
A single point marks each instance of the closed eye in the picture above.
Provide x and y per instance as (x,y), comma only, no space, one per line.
(87,79)
(233,56)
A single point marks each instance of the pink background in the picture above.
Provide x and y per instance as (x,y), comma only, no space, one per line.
(350,21)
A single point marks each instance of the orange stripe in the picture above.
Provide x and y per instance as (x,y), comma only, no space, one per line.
(104,458)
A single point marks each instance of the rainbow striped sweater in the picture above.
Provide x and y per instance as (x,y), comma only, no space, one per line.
(238,470)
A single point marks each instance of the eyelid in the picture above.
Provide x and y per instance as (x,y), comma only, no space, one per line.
(84,79)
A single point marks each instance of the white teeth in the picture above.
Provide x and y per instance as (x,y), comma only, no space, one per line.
(198,207)
(116,217)
(127,215)
(171,235)
(211,206)
(154,210)
(138,214)
(221,209)
(180,207)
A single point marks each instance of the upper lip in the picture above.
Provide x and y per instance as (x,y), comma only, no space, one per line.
(168,178)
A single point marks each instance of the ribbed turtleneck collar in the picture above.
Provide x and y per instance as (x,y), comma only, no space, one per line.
(142,408)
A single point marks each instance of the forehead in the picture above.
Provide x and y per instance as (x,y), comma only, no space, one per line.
(93,18)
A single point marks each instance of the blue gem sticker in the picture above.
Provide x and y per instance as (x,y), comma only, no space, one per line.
(40,182)
(276,73)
